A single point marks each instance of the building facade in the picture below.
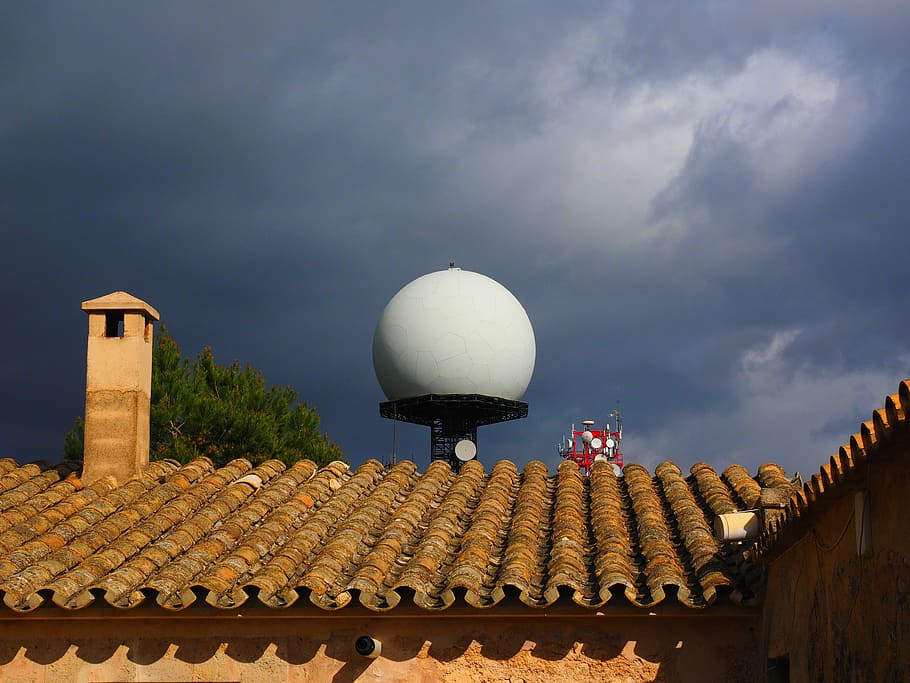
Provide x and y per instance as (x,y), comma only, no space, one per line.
(837,598)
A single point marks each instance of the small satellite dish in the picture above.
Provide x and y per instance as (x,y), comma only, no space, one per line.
(611,442)
(586,436)
(600,457)
(616,469)
(465,450)
(596,443)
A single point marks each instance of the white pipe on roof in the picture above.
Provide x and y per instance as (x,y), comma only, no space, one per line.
(737,526)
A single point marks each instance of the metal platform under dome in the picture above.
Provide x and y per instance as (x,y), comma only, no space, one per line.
(452,417)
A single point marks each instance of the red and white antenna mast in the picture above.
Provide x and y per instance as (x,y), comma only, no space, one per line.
(592,444)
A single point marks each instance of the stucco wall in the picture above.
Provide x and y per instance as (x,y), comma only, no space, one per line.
(419,648)
(118,388)
(837,615)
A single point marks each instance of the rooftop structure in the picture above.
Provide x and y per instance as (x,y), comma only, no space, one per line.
(453,350)
(118,386)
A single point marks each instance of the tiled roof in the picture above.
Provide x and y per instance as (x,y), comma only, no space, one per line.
(380,537)
(887,434)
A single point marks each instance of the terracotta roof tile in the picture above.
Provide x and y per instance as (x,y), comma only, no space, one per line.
(524,559)
(887,434)
(747,490)
(480,556)
(433,551)
(380,538)
(614,562)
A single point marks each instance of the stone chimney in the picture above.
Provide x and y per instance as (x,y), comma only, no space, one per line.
(118,386)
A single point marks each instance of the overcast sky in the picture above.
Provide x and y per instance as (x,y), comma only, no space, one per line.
(704,210)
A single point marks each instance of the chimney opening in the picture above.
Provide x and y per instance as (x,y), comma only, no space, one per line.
(113,324)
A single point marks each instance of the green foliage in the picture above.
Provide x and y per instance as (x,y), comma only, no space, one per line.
(73,442)
(225,412)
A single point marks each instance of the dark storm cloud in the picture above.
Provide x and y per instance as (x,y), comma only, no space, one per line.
(268,180)
(827,255)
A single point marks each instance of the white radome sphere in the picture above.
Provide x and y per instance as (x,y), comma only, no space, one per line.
(454,332)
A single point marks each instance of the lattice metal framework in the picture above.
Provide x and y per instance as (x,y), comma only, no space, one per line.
(452,417)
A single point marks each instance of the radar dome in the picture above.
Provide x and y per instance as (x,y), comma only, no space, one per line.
(454,332)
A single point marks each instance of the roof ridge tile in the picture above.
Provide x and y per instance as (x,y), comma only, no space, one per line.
(887,427)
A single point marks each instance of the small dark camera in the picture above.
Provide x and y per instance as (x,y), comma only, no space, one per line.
(367,646)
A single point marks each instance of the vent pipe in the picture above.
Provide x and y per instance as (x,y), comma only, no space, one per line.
(737,526)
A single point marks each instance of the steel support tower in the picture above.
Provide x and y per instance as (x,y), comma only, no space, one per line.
(452,417)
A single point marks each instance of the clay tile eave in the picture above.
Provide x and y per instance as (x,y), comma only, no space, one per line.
(184,538)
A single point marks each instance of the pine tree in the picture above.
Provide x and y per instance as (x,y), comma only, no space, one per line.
(223,412)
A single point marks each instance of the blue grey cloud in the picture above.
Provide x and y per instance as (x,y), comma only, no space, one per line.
(701,208)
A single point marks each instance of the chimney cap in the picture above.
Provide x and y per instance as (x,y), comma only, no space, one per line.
(120,301)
